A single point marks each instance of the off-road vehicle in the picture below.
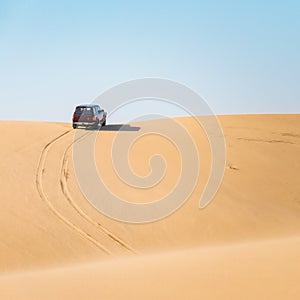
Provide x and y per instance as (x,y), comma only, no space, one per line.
(89,115)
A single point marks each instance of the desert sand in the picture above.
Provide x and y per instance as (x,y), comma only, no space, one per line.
(244,245)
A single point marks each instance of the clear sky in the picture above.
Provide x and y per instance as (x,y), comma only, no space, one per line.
(241,56)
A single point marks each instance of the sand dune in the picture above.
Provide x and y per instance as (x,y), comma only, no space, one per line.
(257,270)
(245,244)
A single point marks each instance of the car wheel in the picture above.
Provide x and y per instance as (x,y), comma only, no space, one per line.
(97,125)
(74,126)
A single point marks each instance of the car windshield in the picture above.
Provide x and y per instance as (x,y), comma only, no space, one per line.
(83,110)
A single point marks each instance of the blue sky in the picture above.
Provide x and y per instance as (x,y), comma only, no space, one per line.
(241,56)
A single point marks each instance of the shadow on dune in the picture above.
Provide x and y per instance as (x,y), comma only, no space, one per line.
(120,127)
(114,127)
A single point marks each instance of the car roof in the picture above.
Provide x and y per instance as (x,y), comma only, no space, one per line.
(87,105)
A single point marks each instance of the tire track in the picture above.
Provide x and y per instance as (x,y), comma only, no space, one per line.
(43,196)
(67,194)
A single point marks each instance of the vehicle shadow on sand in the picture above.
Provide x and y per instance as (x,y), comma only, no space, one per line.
(117,127)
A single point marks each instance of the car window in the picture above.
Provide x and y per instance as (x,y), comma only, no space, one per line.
(83,110)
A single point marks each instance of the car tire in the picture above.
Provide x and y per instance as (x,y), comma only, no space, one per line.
(74,126)
(97,125)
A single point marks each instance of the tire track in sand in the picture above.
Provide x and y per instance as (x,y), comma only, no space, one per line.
(67,194)
(43,196)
